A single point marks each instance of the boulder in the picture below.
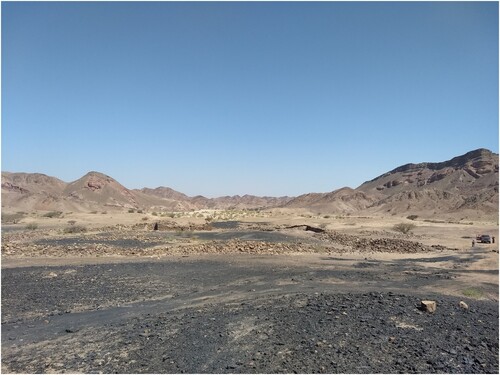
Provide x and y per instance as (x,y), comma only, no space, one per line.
(429,306)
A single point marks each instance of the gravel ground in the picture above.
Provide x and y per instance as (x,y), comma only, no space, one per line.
(140,242)
(225,315)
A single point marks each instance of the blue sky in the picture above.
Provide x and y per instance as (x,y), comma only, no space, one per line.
(245,98)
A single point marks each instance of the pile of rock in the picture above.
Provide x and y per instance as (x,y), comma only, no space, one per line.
(374,244)
(246,247)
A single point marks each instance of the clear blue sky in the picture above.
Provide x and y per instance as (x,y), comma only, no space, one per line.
(245,98)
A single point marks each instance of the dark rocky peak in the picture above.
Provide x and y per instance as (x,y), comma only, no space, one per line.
(479,156)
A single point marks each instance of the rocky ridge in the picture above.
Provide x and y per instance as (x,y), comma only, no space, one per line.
(467,184)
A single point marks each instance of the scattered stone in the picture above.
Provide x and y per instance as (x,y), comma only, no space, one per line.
(429,306)
(377,244)
(463,305)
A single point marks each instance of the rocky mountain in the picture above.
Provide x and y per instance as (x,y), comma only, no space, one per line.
(246,201)
(226,202)
(467,184)
(97,189)
(344,200)
(35,191)
(97,192)
(30,191)
(164,193)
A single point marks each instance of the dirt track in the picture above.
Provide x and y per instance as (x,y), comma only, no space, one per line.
(249,313)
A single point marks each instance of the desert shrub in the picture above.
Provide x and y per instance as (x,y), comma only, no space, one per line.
(53,214)
(11,218)
(31,226)
(412,217)
(71,222)
(171,215)
(404,227)
(140,211)
(94,212)
(104,212)
(145,218)
(473,293)
(154,214)
(75,229)
(131,210)
(326,217)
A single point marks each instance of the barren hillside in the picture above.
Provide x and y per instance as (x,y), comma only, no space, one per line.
(344,200)
(466,185)
(31,191)
(99,192)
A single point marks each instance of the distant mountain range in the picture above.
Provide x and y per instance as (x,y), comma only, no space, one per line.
(467,184)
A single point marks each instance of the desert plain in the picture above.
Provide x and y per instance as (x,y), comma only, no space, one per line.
(389,277)
(247,291)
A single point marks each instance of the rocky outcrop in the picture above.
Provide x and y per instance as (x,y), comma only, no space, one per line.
(14,188)
(467,182)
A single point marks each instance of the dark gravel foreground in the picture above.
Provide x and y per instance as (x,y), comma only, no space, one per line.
(324,333)
(300,333)
(245,315)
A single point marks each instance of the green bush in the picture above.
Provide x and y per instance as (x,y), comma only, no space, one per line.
(31,226)
(75,229)
(11,218)
(404,227)
(53,214)
(473,293)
